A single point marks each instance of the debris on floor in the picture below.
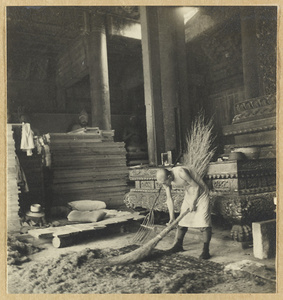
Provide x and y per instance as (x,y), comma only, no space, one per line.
(18,251)
(240,268)
(87,272)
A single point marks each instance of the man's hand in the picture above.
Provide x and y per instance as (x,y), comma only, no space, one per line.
(171,221)
(191,207)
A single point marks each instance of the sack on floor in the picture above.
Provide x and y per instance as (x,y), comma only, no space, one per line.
(60,211)
(86,216)
(87,205)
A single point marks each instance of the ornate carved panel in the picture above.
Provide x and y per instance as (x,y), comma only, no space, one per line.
(245,209)
(147,184)
(266,48)
(257,108)
(221,185)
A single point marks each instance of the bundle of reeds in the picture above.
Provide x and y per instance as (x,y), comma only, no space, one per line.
(199,151)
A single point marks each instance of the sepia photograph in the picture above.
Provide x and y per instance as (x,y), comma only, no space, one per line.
(141,149)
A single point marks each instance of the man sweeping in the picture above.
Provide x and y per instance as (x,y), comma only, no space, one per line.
(196,200)
(196,203)
(195,210)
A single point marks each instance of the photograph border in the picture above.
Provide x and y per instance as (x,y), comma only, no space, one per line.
(3,114)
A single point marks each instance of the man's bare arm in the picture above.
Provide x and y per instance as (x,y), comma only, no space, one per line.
(169,202)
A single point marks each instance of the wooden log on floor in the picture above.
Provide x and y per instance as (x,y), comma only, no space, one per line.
(68,235)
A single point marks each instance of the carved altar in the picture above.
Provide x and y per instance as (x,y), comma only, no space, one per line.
(241,191)
(146,190)
(254,125)
(253,128)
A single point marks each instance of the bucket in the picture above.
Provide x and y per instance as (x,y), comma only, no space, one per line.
(35,208)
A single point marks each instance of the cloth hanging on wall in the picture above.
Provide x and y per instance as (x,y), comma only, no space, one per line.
(27,143)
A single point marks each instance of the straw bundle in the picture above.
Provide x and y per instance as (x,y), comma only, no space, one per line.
(199,142)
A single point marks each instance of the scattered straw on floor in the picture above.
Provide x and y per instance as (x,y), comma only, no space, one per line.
(87,272)
(18,251)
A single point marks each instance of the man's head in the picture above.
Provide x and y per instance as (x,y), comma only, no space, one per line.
(164,176)
(83,118)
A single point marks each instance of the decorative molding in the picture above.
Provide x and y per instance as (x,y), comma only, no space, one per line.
(221,185)
(141,178)
(140,190)
(255,103)
(145,199)
(222,176)
(249,127)
(267,47)
(147,184)
(241,175)
(143,174)
(257,190)
(255,114)
(257,165)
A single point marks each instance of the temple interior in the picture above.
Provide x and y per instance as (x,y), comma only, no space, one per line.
(100,98)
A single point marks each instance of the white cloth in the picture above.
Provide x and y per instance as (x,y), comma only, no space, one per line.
(201,217)
(27,143)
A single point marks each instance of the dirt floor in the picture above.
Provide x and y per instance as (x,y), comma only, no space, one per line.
(88,272)
(36,267)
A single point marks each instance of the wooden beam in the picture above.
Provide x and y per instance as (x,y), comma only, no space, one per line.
(152,90)
(98,73)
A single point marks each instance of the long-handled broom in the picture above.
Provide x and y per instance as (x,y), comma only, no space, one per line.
(143,251)
(147,227)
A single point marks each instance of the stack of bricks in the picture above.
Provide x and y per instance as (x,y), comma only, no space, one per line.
(13,221)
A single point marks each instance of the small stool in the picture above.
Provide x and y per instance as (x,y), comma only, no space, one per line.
(36,217)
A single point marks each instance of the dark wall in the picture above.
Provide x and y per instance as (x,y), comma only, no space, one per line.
(31,82)
(215,69)
(126,88)
(214,58)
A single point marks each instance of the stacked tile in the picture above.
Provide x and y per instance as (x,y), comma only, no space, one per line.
(13,221)
(88,166)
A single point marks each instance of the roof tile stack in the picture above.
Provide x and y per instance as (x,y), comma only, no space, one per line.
(12,186)
(88,165)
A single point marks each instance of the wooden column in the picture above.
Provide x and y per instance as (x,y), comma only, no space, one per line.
(98,73)
(164,62)
(249,53)
(185,96)
(152,89)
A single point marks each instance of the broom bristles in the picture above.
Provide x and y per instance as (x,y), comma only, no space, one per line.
(199,142)
(135,256)
(143,251)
